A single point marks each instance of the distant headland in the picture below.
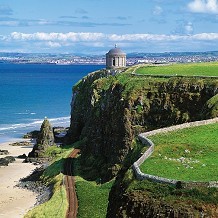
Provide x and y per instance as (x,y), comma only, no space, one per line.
(131,58)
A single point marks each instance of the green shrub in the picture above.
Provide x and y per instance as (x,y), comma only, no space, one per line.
(212,107)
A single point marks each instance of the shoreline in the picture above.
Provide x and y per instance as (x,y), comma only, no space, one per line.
(14,201)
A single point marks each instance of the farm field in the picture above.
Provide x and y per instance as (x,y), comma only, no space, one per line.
(191,69)
(190,154)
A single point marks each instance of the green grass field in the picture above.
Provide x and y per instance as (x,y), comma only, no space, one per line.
(192,69)
(93,198)
(190,154)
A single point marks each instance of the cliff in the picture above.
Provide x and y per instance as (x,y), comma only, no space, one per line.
(108,111)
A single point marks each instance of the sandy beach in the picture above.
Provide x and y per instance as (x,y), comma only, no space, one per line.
(15,202)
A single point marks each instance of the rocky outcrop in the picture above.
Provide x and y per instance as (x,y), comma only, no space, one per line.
(44,140)
(23,143)
(33,134)
(33,183)
(6,160)
(4,152)
(46,135)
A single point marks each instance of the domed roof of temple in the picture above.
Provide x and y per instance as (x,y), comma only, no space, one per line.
(116,51)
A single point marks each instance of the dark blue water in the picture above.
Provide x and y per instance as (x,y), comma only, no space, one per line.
(29,93)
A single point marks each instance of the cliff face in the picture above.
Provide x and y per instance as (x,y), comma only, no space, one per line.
(107,112)
(139,204)
(144,199)
(99,118)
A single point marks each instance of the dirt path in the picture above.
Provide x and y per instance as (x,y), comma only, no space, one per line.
(70,186)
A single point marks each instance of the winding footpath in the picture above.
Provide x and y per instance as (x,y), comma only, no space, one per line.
(70,185)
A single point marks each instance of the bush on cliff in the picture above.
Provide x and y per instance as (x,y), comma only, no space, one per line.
(211,107)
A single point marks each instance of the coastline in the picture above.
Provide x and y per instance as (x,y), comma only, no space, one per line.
(14,201)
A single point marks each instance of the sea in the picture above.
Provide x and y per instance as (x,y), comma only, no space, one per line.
(29,93)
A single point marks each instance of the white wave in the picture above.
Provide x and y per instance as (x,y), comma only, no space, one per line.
(36,123)
(25,113)
(59,119)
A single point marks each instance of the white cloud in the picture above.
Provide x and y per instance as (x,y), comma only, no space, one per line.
(203,6)
(54,44)
(9,23)
(183,28)
(188,28)
(157,11)
(88,42)
(71,36)
(101,37)
(205,36)
(5,10)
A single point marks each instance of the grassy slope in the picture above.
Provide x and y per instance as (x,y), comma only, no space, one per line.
(57,205)
(200,69)
(197,149)
(93,198)
(188,198)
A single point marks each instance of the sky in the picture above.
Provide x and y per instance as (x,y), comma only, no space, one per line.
(95,26)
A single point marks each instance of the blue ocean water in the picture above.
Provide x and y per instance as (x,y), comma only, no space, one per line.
(31,92)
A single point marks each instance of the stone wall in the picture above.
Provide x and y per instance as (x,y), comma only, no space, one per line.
(143,138)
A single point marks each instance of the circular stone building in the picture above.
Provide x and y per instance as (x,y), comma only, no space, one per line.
(115,58)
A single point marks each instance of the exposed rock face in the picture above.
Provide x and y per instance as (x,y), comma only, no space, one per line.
(44,140)
(23,143)
(108,112)
(46,135)
(138,204)
(4,152)
(6,160)
(33,134)
(3,162)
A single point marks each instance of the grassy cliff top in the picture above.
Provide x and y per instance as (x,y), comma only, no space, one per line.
(191,69)
(131,81)
(190,154)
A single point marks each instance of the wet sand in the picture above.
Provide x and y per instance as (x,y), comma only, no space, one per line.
(15,202)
